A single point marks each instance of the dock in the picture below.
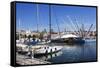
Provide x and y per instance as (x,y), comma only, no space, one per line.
(25,60)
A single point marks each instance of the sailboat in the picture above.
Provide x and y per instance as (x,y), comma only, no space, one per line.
(20,46)
(68,38)
(40,48)
(79,37)
(45,48)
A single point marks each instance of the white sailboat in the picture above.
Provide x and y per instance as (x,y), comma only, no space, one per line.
(38,48)
(45,48)
(68,38)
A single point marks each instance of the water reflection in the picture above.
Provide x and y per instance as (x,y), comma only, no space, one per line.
(49,56)
(73,53)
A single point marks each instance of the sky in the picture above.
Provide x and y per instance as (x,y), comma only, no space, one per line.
(62,17)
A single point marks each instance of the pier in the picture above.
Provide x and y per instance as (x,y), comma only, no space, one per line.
(25,60)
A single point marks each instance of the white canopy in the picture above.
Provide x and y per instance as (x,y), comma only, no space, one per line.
(68,36)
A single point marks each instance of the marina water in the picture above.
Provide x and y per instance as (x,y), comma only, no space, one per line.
(73,53)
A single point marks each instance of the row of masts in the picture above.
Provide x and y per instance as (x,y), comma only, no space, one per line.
(80,31)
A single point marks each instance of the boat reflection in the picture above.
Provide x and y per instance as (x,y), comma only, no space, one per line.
(49,56)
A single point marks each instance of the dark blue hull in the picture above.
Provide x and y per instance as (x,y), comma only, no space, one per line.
(69,41)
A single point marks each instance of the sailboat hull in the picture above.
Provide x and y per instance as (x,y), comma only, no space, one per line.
(69,41)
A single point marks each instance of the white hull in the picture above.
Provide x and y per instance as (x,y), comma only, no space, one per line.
(38,49)
(48,49)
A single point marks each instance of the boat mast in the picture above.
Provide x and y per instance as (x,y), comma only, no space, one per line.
(89,30)
(37,17)
(57,25)
(19,29)
(49,22)
(82,29)
(66,27)
(72,24)
(77,25)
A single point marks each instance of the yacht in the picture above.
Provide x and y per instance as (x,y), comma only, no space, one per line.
(68,38)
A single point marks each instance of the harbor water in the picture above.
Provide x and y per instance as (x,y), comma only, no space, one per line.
(72,53)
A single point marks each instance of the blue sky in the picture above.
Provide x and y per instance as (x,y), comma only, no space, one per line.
(64,16)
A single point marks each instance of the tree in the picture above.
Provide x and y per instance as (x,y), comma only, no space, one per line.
(20,35)
(29,36)
(24,36)
(33,37)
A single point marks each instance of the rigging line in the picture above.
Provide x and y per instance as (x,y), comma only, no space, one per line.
(94,28)
(57,24)
(77,25)
(72,25)
(71,22)
(89,29)
(19,29)
(82,31)
(66,25)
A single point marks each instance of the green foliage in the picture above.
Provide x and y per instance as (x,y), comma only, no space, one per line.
(29,36)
